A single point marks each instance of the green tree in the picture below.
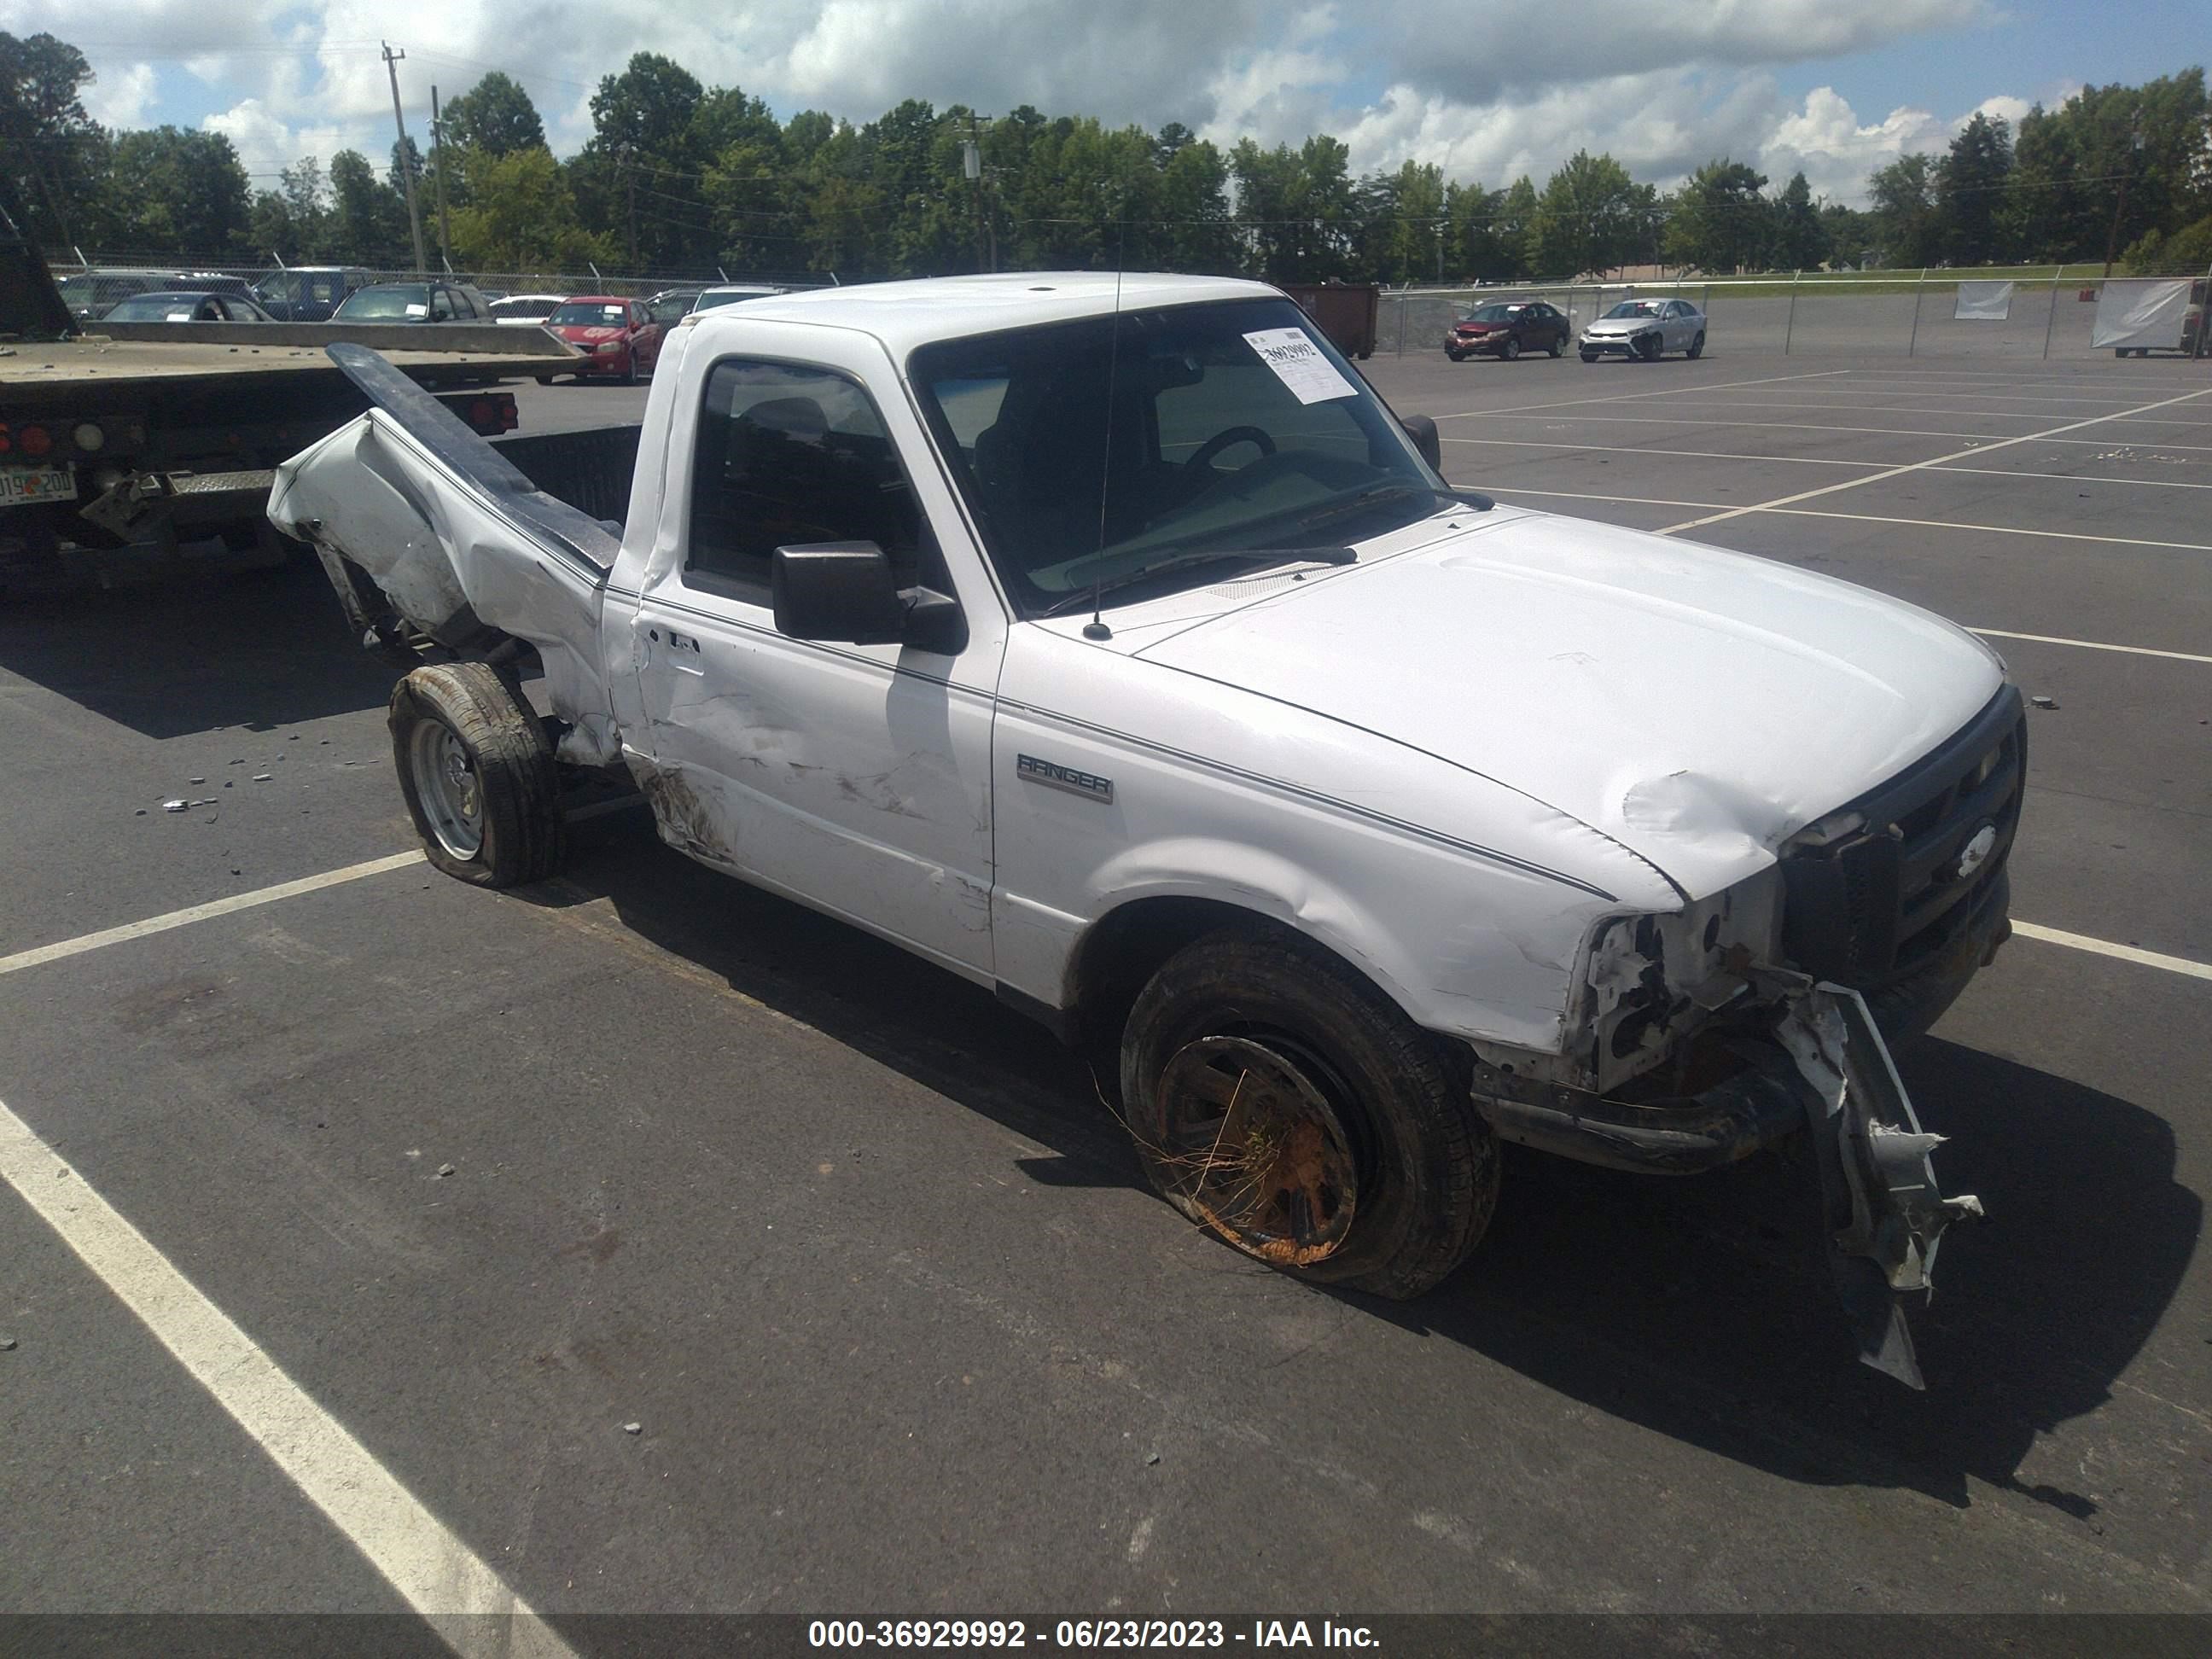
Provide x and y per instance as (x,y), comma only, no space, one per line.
(640,174)
(1199,232)
(1721,222)
(1971,185)
(523,218)
(494,117)
(1591,217)
(1801,238)
(181,193)
(1906,222)
(53,153)
(366,225)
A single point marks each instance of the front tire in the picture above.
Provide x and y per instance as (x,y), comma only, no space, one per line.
(1697,347)
(1648,349)
(1588,356)
(1558,347)
(1510,350)
(478,775)
(1281,1101)
(1457,356)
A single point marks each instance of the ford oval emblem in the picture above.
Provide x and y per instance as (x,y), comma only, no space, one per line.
(1976,852)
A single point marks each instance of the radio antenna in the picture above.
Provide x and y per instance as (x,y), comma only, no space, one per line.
(1096,629)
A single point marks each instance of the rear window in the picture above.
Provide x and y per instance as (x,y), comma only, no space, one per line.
(594,316)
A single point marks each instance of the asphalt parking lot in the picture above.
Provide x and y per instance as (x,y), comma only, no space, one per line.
(462,1184)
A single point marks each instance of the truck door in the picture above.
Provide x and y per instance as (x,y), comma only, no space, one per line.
(855,778)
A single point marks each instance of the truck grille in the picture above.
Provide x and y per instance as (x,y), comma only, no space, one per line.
(1885,902)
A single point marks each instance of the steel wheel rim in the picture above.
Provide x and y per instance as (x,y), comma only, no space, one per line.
(1251,1148)
(447,784)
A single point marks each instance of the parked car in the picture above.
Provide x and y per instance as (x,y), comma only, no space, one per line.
(1645,331)
(525,310)
(186,305)
(1190,758)
(309,293)
(620,334)
(672,305)
(414,302)
(91,294)
(1506,328)
(730,293)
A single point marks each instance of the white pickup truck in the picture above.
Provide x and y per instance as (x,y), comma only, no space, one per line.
(1110,643)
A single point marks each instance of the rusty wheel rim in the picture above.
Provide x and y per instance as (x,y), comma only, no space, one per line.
(1251,1148)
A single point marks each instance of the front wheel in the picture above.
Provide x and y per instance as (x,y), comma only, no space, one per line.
(1650,349)
(1588,356)
(478,775)
(1282,1102)
(1696,347)
(1558,347)
(1457,356)
(1510,350)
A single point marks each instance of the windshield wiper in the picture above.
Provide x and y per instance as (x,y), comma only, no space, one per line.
(1376,496)
(1077,599)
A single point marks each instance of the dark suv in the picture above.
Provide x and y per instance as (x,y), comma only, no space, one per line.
(1506,328)
(308,293)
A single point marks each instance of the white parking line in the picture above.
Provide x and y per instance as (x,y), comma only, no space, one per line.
(2129,415)
(2090,645)
(1939,460)
(1633,396)
(222,907)
(1823,426)
(2107,948)
(1823,460)
(441,1578)
(1723,511)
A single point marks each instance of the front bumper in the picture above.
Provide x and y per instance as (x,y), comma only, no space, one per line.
(1822,1067)
(1625,344)
(1468,345)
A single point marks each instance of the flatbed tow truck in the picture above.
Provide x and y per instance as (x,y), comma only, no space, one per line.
(131,450)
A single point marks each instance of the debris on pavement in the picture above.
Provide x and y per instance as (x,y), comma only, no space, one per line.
(444,1169)
(7,1344)
(633,1428)
(263,777)
(2045,703)
(176,806)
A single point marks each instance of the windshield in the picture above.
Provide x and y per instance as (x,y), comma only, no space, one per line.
(1491,315)
(157,308)
(404,302)
(573,315)
(1635,308)
(713,297)
(1235,426)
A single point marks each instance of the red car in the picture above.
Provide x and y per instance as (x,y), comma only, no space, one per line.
(621,336)
(1507,327)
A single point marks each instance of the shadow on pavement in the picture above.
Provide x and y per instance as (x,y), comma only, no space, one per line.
(259,650)
(1697,1308)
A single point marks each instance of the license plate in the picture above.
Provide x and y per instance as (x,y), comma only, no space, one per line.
(29,486)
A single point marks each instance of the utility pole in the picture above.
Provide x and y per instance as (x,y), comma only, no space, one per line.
(438,160)
(626,155)
(971,163)
(406,172)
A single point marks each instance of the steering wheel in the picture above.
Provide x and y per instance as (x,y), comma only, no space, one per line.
(1222,440)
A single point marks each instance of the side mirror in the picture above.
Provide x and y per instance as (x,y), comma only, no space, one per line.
(844,591)
(1423,431)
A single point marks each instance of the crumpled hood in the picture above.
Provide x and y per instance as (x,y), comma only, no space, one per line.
(1697,706)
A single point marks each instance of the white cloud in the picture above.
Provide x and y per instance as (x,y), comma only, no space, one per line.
(121,96)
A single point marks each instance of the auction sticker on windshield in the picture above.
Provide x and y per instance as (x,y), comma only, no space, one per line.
(1298,364)
(29,486)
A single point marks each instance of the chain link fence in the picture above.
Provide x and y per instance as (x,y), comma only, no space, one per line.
(2042,315)
(632,285)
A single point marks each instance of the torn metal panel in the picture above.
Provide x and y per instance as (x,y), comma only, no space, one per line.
(1885,1213)
(454,561)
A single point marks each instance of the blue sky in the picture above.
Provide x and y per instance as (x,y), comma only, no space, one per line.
(1834,87)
